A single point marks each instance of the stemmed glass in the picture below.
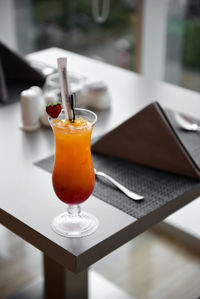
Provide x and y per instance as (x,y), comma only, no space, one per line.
(73,173)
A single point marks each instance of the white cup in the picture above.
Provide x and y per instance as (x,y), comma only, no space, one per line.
(30,110)
(98,95)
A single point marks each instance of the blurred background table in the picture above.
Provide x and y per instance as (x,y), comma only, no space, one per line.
(27,196)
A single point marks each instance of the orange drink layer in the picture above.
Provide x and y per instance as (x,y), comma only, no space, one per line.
(73,174)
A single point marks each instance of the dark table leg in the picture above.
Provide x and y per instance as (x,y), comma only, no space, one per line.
(63,284)
(60,283)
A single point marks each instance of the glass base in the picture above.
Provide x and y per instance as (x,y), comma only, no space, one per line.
(77,226)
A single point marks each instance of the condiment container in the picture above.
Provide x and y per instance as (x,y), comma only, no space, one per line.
(30,110)
(98,95)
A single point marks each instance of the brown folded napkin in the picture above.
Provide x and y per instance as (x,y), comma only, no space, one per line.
(150,139)
(15,75)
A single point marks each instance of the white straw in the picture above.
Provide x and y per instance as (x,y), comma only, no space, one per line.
(62,62)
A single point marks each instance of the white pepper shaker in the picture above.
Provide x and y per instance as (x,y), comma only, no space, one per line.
(30,110)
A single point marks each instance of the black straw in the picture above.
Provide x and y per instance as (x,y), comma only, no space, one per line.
(73,105)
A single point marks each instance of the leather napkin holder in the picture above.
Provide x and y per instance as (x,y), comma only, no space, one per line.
(15,75)
(148,138)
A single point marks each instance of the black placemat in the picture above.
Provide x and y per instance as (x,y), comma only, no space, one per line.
(158,187)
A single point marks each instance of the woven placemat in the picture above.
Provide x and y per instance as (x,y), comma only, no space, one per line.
(158,187)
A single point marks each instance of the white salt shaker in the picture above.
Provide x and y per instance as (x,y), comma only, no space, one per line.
(98,95)
(30,110)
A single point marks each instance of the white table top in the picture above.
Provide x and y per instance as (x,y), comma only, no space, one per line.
(28,202)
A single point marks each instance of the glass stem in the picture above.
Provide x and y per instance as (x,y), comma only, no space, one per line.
(74,211)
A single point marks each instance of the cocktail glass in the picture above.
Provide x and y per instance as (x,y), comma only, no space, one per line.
(73,173)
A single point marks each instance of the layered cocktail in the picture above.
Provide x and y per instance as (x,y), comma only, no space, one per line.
(73,174)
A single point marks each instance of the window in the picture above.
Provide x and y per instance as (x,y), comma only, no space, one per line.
(159,38)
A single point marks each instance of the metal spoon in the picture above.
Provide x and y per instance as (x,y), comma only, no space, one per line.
(126,191)
(185,123)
